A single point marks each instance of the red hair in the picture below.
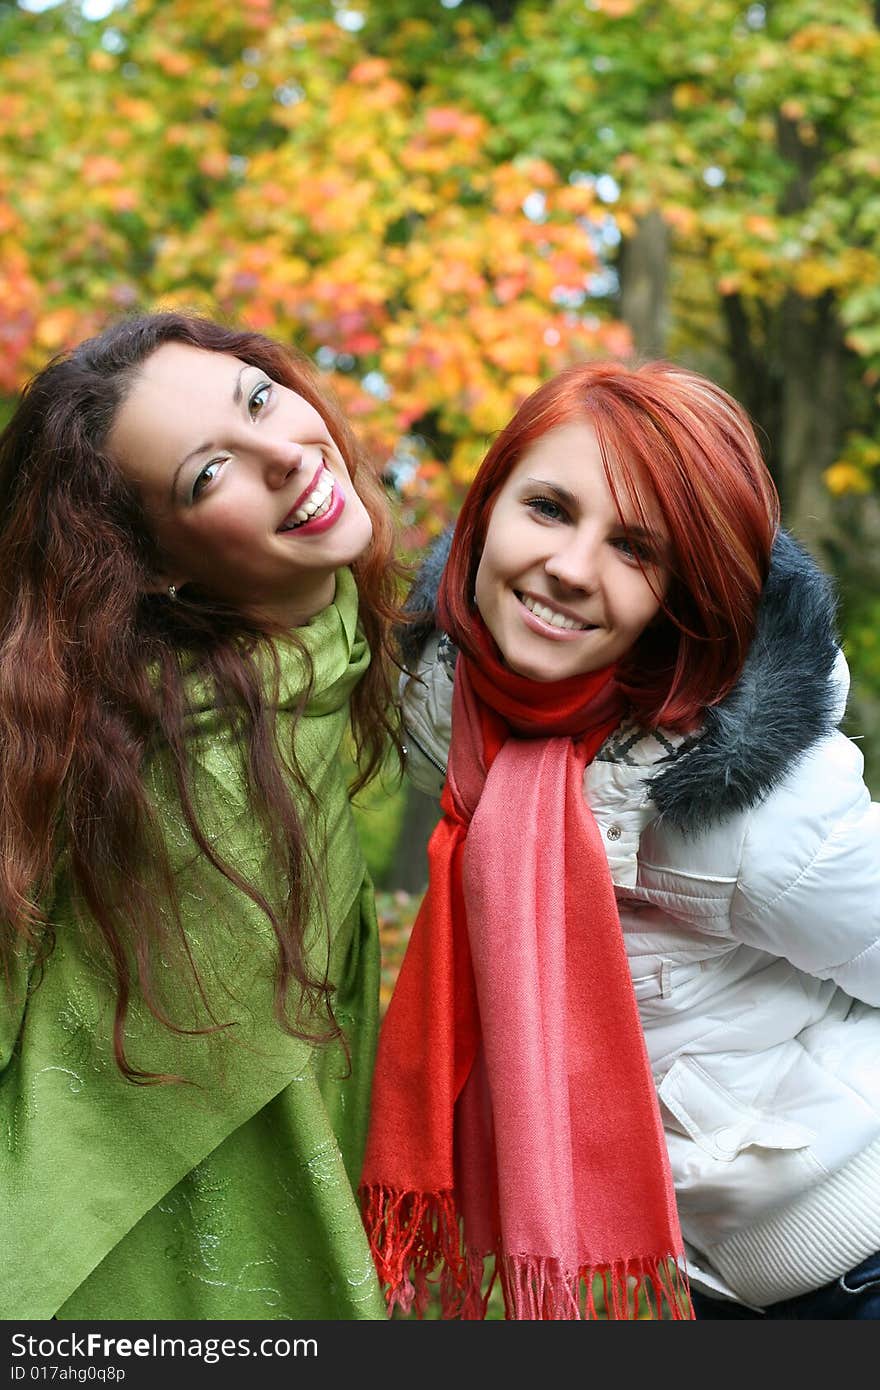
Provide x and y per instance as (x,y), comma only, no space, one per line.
(674,441)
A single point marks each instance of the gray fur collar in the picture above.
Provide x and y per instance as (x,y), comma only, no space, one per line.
(783,702)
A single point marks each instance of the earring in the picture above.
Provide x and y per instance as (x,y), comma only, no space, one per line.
(172,592)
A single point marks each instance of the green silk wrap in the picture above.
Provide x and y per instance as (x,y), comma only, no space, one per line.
(230,1196)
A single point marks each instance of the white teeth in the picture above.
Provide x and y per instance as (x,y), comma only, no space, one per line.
(550,615)
(317,502)
(320,495)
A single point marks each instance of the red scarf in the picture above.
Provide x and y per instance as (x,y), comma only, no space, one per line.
(514,1112)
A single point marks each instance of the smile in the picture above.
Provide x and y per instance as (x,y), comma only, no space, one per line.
(552,617)
(313,504)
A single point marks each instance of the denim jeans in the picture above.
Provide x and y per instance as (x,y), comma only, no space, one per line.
(854,1295)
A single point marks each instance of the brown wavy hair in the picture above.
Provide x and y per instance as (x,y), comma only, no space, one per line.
(93,671)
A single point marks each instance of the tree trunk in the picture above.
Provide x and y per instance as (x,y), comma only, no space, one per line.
(789,373)
(643,266)
(812,351)
(409,866)
(757,375)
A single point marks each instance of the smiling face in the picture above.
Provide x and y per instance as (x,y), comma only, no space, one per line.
(247,494)
(559,585)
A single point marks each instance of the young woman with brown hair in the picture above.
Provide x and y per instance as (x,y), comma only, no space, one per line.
(196,587)
(642,997)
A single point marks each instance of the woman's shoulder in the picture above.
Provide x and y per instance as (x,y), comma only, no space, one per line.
(793,873)
(762,763)
(752,793)
(822,797)
(782,810)
(808,885)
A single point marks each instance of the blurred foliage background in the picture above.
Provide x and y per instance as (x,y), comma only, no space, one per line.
(445,202)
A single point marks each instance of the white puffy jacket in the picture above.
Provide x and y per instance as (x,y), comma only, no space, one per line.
(746,862)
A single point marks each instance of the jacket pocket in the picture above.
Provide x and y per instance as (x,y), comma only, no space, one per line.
(663,979)
(719,1123)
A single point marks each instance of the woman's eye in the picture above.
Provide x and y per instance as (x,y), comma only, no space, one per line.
(259,398)
(546,507)
(634,550)
(207,475)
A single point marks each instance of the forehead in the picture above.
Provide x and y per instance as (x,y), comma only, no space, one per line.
(179,367)
(568,454)
(176,392)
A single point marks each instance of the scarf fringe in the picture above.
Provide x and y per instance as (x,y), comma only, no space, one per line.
(411,1234)
(536,1289)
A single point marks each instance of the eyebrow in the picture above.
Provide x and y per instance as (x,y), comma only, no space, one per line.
(205,448)
(561,492)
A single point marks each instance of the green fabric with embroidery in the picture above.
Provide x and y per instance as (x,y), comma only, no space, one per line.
(229,1197)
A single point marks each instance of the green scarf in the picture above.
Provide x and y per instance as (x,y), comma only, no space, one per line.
(84,1155)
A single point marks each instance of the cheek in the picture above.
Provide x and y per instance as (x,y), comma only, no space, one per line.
(499,549)
(486,581)
(638,604)
(358,507)
(222,529)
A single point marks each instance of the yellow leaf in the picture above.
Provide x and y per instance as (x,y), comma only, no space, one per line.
(842,478)
(687,95)
(615,9)
(729,284)
(466,459)
(100,168)
(174,64)
(214,164)
(489,411)
(763,227)
(680,218)
(55,328)
(814,277)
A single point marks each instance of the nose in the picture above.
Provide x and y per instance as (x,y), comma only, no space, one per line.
(281,458)
(574,562)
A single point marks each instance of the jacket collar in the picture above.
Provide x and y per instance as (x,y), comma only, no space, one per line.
(785,700)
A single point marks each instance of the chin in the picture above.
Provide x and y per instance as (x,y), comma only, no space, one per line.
(539,677)
(533,670)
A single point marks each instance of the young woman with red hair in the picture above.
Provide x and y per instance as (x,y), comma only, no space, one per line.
(196,567)
(633,1043)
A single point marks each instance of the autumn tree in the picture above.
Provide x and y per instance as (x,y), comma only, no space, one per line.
(256,162)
